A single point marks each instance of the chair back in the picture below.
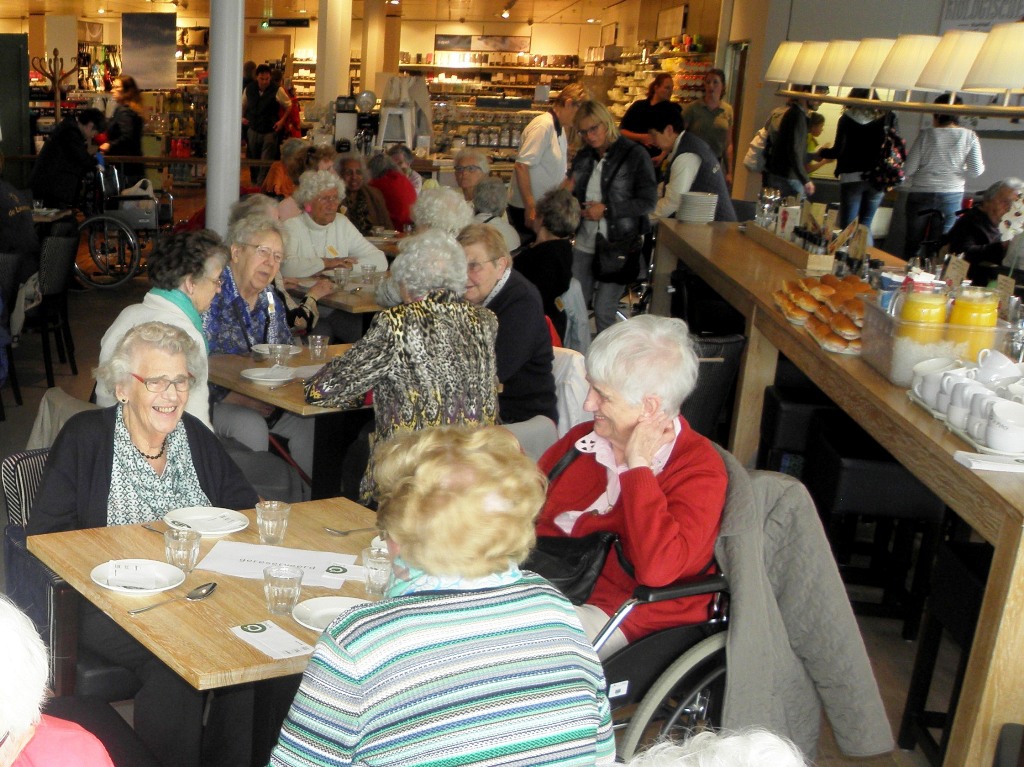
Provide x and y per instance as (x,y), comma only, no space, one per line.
(719,368)
(56,407)
(571,388)
(56,262)
(9,277)
(20,476)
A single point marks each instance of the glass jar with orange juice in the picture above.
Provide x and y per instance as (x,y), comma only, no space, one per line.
(923,313)
(972,320)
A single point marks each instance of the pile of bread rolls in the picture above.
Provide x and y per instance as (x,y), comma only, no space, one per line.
(831,309)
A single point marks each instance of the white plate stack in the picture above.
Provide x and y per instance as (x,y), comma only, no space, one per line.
(697,207)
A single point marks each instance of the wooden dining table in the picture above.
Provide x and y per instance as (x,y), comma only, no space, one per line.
(195,638)
(334,429)
(745,274)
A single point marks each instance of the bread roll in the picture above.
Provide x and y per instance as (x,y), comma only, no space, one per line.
(843,326)
(804,300)
(790,287)
(809,283)
(795,314)
(823,313)
(854,309)
(821,292)
(831,280)
(833,343)
(854,345)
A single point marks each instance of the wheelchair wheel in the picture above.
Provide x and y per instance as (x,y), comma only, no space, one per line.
(686,698)
(114,252)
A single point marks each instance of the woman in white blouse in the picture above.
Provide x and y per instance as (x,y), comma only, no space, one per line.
(321,238)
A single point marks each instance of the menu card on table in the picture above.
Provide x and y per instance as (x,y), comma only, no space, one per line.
(247,560)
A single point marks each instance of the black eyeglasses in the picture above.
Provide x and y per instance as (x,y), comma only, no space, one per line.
(468,169)
(162,384)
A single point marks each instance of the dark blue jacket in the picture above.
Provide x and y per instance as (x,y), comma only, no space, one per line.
(628,187)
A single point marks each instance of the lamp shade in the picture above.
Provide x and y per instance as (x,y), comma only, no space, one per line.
(948,66)
(782,61)
(835,62)
(807,61)
(997,68)
(866,62)
(903,65)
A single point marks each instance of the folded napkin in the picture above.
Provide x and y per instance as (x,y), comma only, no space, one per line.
(985,462)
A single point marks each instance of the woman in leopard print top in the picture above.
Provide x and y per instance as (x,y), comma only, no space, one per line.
(429,361)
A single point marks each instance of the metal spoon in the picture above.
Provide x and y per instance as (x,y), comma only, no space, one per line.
(199,592)
(152,529)
(349,532)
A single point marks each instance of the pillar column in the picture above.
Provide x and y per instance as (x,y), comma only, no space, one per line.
(333,50)
(223,154)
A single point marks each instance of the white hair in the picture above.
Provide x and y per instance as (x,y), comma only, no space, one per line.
(442,208)
(490,196)
(750,748)
(645,355)
(430,260)
(23,671)
(475,157)
(314,183)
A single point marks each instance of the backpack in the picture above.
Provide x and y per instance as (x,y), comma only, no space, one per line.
(888,173)
(760,149)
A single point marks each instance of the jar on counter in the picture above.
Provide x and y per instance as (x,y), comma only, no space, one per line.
(923,313)
(973,319)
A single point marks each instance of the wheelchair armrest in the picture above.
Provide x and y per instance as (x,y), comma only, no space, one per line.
(49,602)
(687,587)
(128,197)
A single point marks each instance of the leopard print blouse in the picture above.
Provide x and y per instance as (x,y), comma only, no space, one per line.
(429,363)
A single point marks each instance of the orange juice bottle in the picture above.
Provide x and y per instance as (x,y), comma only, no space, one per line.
(927,310)
(972,321)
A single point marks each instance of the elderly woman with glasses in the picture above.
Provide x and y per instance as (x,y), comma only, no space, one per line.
(321,238)
(471,167)
(27,736)
(478,662)
(364,204)
(133,463)
(185,270)
(429,361)
(640,471)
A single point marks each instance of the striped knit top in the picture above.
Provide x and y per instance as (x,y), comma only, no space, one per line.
(942,157)
(501,676)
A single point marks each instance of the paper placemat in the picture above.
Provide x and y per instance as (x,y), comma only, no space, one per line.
(270,639)
(247,560)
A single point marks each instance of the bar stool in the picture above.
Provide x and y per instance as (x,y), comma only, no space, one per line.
(958,586)
(785,421)
(397,124)
(852,478)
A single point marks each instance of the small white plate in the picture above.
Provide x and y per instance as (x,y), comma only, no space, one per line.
(265,349)
(305,283)
(207,520)
(318,613)
(269,376)
(168,576)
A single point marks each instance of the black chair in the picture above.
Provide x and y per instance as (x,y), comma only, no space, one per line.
(56,264)
(99,718)
(8,291)
(852,480)
(716,381)
(745,209)
(785,421)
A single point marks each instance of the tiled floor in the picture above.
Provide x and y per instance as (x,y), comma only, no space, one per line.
(92,312)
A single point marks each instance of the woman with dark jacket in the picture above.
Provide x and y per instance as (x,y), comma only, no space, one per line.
(124,129)
(615,202)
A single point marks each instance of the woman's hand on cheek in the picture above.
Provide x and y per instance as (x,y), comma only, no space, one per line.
(651,433)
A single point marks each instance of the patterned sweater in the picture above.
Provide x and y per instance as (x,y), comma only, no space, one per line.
(429,363)
(501,676)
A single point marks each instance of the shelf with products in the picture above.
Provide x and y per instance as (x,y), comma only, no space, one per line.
(635,73)
(486,126)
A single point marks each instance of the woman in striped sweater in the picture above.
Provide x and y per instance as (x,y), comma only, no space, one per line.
(468,660)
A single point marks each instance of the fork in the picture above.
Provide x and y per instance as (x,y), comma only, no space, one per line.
(286,383)
(333,531)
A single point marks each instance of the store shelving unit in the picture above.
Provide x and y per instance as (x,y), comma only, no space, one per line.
(448,81)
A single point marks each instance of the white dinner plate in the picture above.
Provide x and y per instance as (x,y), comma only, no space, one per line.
(207,520)
(305,283)
(265,349)
(307,371)
(318,613)
(167,576)
(269,376)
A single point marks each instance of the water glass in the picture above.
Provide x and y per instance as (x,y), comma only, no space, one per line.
(181,549)
(272,521)
(368,273)
(282,586)
(341,276)
(279,353)
(377,565)
(318,348)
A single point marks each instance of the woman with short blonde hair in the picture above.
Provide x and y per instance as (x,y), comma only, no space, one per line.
(467,659)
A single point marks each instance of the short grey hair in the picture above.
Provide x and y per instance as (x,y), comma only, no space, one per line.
(245,229)
(1012,183)
(149,335)
(559,212)
(490,196)
(475,157)
(314,183)
(380,164)
(253,205)
(645,355)
(430,260)
(24,670)
(442,208)
(403,150)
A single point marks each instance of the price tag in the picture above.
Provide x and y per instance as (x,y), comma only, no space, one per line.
(956,271)
(1004,288)
(271,639)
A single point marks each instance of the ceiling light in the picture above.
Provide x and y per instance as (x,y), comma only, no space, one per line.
(505,14)
(593,21)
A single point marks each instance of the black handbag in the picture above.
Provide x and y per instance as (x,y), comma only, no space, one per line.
(572,565)
(617,261)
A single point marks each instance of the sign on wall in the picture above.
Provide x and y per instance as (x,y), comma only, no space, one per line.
(505,43)
(148,48)
(979,15)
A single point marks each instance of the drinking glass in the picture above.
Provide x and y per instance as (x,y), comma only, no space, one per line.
(318,348)
(181,549)
(272,521)
(279,353)
(926,310)
(377,565)
(973,319)
(282,586)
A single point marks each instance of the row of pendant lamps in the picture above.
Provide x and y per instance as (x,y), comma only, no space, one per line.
(973,62)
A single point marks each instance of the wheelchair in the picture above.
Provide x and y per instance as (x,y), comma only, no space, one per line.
(669,684)
(119,228)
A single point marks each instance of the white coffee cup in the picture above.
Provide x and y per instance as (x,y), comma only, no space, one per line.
(960,402)
(993,365)
(1005,430)
(932,365)
(1014,391)
(981,409)
(949,379)
(927,385)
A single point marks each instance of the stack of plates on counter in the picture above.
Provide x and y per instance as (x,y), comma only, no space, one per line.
(697,207)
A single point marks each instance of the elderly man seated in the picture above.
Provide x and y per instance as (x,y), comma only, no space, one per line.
(524,342)
(976,233)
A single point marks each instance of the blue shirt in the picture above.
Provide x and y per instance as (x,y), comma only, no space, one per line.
(232,328)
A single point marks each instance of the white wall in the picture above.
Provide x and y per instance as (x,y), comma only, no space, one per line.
(418,36)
